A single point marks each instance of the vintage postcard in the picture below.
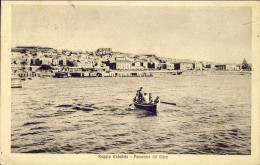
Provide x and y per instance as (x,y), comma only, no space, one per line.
(130,82)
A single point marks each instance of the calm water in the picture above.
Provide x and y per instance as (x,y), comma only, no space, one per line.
(92,115)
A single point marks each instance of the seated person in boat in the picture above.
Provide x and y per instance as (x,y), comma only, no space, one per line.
(136,98)
(145,98)
(157,100)
(151,101)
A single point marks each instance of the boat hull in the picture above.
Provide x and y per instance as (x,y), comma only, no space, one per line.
(16,86)
(147,107)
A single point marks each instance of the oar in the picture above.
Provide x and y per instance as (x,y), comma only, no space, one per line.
(168,103)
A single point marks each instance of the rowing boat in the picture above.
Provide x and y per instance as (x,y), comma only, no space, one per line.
(147,107)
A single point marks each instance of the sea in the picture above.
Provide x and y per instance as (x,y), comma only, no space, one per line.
(95,115)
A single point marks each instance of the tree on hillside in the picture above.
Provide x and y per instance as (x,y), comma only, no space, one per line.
(245,65)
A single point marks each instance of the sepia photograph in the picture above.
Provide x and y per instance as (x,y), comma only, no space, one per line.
(130,81)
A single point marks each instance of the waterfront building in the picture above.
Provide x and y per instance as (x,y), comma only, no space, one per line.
(123,65)
(36,62)
(155,62)
(110,64)
(162,66)
(197,66)
(232,67)
(62,60)
(19,58)
(152,65)
(93,74)
(208,66)
(26,72)
(145,64)
(228,67)
(137,65)
(46,61)
(170,66)
(55,61)
(100,66)
(220,67)
(183,66)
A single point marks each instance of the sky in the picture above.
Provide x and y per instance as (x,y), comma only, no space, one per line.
(217,34)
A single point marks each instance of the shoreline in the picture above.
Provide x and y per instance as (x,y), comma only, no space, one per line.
(217,72)
(140,73)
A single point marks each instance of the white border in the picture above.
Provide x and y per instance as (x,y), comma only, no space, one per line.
(66,159)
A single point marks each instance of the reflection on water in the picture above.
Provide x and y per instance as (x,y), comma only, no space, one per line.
(92,115)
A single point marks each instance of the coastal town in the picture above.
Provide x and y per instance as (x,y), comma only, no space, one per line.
(30,62)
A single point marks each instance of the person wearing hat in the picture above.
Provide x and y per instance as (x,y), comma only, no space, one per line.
(140,94)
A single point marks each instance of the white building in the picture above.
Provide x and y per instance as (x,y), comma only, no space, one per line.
(197,66)
(123,65)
